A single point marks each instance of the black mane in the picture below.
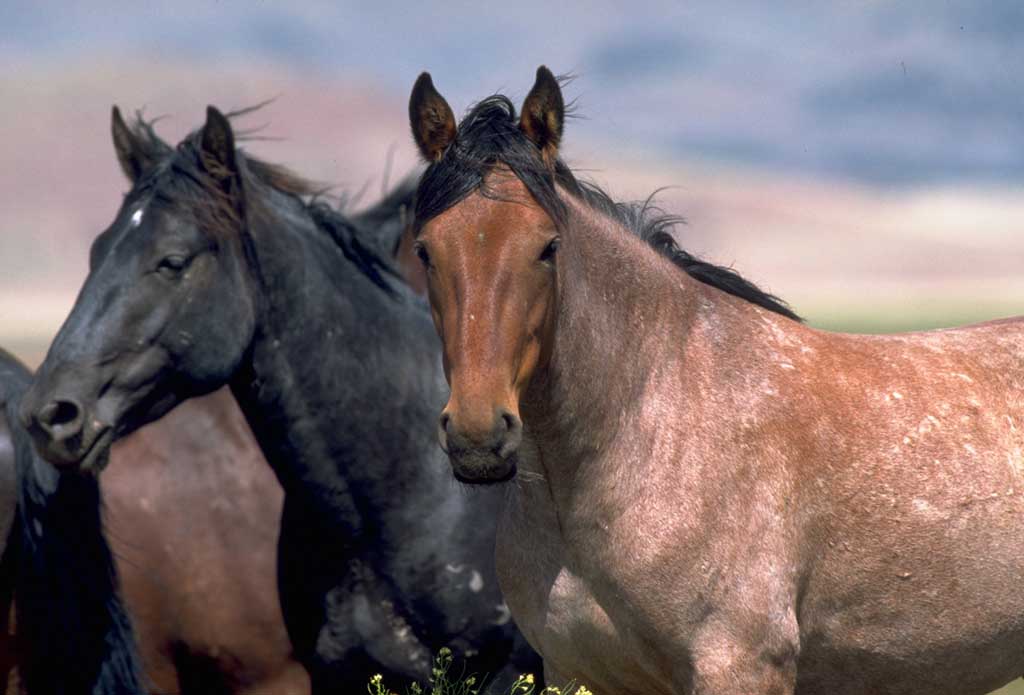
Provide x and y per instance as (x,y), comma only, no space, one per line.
(391,216)
(178,179)
(490,135)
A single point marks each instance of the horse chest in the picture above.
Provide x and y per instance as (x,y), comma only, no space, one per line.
(565,619)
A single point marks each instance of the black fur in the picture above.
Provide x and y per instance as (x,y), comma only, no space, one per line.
(337,367)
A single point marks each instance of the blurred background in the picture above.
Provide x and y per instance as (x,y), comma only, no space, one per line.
(863,160)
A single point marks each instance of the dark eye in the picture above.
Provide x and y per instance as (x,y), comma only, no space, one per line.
(421,253)
(171,266)
(548,254)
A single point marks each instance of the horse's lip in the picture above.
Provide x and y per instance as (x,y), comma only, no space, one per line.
(94,460)
(513,469)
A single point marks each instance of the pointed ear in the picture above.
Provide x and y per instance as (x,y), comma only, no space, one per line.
(544,114)
(218,148)
(131,154)
(432,120)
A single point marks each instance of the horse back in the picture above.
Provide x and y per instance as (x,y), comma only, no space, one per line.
(909,472)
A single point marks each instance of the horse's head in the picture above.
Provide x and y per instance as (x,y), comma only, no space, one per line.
(167,310)
(490,250)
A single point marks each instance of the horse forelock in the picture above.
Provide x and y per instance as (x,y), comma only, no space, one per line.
(181,179)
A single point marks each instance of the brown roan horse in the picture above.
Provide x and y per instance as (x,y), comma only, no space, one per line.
(711,496)
(192,513)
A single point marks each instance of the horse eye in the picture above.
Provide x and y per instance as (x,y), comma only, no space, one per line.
(421,253)
(171,266)
(548,254)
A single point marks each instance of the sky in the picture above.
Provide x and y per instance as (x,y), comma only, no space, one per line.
(883,93)
(837,152)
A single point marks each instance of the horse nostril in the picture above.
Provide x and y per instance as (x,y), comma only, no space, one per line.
(62,414)
(510,439)
(442,431)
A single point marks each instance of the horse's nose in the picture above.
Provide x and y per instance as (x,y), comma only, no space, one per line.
(60,419)
(57,426)
(442,430)
(502,438)
(512,435)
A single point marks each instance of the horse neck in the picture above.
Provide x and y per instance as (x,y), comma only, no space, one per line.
(623,323)
(342,380)
(72,624)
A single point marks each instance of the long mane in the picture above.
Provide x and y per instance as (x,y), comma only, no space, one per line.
(177,178)
(489,136)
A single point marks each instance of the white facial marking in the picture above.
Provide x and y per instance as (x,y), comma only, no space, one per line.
(504,614)
(137,218)
(476,582)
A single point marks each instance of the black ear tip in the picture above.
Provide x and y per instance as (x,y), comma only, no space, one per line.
(545,75)
(424,84)
(218,120)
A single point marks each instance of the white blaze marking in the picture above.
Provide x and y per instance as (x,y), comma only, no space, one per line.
(476,582)
(504,614)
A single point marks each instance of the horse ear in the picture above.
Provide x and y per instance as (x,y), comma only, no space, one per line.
(217,144)
(544,114)
(131,154)
(432,120)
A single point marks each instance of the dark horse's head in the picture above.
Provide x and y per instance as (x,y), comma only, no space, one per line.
(167,310)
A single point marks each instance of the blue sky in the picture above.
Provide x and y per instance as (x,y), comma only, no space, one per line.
(886,94)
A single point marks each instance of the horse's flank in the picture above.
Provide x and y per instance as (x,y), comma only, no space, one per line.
(192,513)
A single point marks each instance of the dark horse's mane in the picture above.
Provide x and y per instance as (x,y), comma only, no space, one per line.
(490,135)
(180,179)
(74,634)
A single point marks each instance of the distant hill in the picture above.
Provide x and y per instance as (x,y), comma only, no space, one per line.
(843,255)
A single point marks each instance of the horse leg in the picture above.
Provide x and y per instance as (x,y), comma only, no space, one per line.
(500,682)
(293,679)
(727,667)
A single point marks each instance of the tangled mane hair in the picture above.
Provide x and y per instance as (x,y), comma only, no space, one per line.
(184,179)
(490,135)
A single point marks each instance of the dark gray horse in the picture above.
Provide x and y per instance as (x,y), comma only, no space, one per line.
(215,271)
(8,540)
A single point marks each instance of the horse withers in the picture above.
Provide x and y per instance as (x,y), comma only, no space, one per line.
(709,496)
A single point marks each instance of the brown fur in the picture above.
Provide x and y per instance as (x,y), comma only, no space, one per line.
(434,122)
(715,499)
(543,115)
(192,514)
